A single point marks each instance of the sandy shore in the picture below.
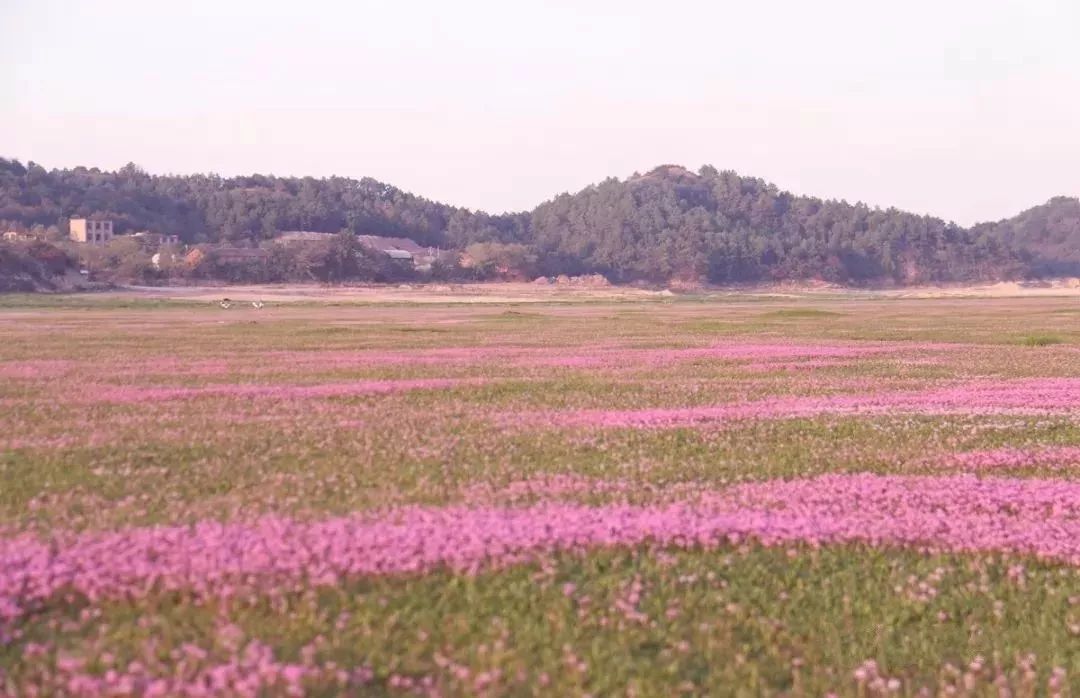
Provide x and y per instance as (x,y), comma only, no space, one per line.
(501,293)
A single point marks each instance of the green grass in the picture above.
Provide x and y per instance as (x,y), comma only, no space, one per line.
(1041,340)
(737,620)
(796,313)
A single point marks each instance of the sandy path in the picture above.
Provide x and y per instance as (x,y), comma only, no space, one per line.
(502,293)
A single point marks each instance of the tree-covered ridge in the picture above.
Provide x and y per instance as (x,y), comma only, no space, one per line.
(210,208)
(669,223)
(1050,233)
(723,227)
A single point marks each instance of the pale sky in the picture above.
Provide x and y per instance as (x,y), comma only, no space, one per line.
(966,109)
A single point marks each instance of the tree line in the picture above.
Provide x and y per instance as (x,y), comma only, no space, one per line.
(667,224)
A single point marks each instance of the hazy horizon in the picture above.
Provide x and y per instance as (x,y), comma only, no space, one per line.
(964,112)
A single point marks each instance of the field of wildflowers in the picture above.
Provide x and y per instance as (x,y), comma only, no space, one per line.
(748,497)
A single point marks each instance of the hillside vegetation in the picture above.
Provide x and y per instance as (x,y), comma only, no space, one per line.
(1050,233)
(668,224)
(34,266)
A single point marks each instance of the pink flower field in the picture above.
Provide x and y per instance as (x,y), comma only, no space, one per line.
(659,498)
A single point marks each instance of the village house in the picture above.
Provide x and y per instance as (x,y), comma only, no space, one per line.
(302,237)
(91,231)
(404,250)
(157,240)
(35,233)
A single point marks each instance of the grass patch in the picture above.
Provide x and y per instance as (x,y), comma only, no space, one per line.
(737,620)
(795,313)
(1041,340)
(637,621)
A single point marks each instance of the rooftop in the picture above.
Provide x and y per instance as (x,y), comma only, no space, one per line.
(303,236)
(385,244)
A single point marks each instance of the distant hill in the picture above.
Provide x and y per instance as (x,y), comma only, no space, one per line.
(669,223)
(1050,233)
(209,208)
(719,226)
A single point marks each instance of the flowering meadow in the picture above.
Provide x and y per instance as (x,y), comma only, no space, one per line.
(748,496)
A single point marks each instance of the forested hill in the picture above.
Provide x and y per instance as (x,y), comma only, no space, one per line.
(209,208)
(669,223)
(672,222)
(1050,233)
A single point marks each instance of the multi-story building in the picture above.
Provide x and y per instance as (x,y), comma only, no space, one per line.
(91,231)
